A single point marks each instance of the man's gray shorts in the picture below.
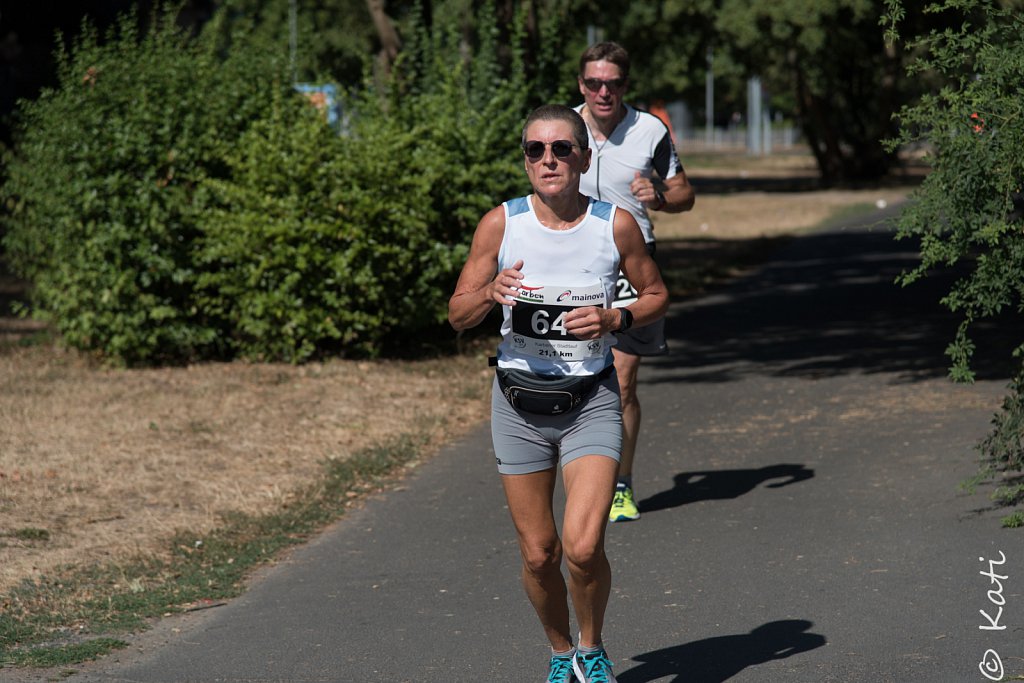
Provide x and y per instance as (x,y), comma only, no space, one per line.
(525,443)
(648,340)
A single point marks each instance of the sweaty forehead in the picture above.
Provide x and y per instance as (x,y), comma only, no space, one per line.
(547,131)
(602,69)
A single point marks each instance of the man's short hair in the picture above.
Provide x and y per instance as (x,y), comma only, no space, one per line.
(607,51)
(560,112)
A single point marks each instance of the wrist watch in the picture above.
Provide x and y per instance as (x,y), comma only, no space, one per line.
(661,199)
(625,319)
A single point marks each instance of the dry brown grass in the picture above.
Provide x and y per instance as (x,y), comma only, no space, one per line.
(747,215)
(109,462)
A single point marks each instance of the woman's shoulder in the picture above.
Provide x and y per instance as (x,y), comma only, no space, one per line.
(602,209)
(518,205)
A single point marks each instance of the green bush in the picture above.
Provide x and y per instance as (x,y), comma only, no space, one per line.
(351,244)
(965,211)
(323,242)
(104,193)
(172,200)
(468,113)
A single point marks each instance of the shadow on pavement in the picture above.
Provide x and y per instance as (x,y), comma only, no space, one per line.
(826,305)
(691,487)
(714,660)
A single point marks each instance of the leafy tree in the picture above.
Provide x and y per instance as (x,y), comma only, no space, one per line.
(334,39)
(338,39)
(825,63)
(969,209)
(830,59)
(351,244)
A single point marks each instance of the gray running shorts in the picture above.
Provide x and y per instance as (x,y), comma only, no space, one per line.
(525,443)
(648,340)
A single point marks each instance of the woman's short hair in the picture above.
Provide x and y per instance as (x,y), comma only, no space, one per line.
(560,112)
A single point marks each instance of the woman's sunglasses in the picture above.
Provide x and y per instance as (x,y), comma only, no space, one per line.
(534,149)
(594,84)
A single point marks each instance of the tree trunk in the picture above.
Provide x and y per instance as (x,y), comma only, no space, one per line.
(820,137)
(389,40)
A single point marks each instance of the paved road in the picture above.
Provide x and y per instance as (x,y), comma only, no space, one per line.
(801,518)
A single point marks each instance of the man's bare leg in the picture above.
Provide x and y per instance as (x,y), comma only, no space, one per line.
(627,366)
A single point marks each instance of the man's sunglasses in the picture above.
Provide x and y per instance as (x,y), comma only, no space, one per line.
(534,149)
(594,84)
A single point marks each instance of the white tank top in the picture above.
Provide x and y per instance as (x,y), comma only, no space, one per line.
(563,269)
(641,142)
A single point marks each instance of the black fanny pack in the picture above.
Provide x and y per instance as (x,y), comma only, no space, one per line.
(546,394)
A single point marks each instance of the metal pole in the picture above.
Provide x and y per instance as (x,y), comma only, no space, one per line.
(709,100)
(754,116)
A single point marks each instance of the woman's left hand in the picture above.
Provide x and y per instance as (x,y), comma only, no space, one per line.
(590,322)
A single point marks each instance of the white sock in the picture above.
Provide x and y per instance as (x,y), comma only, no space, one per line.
(566,654)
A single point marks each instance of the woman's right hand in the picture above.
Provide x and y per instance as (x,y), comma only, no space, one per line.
(505,286)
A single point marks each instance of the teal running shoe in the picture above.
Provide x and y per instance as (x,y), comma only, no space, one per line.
(593,667)
(561,669)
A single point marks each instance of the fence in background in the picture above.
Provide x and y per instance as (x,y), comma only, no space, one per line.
(772,135)
(777,139)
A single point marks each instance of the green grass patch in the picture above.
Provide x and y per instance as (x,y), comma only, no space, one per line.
(64,655)
(847,212)
(1014,520)
(42,623)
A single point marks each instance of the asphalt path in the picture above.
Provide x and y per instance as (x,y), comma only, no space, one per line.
(798,474)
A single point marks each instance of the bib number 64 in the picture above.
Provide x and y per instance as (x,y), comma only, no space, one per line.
(542,325)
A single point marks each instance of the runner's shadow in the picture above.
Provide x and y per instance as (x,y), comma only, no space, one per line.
(691,487)
(714,660)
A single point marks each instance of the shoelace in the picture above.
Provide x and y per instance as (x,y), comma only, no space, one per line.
(561,670)
(596,666)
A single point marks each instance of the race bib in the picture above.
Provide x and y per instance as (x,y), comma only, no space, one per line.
(625,294)
(538,321)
